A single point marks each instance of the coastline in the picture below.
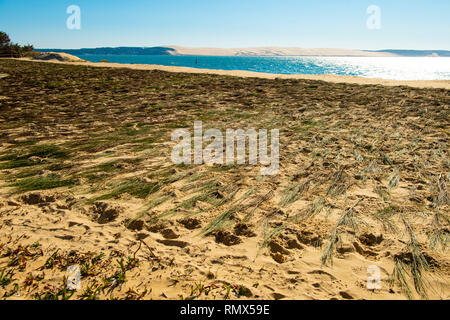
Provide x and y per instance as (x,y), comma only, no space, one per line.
(434,84)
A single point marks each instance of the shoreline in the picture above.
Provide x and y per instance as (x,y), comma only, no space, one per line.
(434,84)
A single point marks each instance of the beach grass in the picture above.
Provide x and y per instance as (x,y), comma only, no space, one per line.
(364,168)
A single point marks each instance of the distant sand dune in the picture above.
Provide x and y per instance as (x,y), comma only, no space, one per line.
(275,51)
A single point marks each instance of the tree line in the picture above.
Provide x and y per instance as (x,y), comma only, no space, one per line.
(14,50)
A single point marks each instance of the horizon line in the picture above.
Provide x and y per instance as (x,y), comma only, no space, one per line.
(231,48)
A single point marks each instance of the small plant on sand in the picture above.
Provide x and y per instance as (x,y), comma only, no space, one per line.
(216,196)
(223,218)
(268,236)
(383,192)
(86,269)
(133,294)
(198,185)
(440,191)
(255,205)
(411,263)
(12,292)
(334,238)
(152,204)
(318,205)
(439,235)
(30,279)
(394,180)
(20,256)
(227,291)
(6,277)
(294,192)
(135,187)
(55,293)
(118,278)
(386,217)
(131,263)
(53,260)
(197,290)
(92,292)
(220,220)
(339,183)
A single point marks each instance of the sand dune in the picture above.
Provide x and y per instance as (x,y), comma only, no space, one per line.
(275,51)
(57,56)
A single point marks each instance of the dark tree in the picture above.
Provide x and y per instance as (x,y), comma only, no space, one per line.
(15,50)
(4,39)
(9,49)
(27,48)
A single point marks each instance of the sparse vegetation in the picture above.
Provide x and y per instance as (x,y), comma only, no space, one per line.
(6,277)
(135,187)
(349,219)
(411,263)
(104,135)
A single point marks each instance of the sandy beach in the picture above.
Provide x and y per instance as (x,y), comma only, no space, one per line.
(86,180)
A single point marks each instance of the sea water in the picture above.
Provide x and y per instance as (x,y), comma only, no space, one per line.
(395,68)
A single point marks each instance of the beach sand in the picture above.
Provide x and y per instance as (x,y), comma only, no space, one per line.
(86,179)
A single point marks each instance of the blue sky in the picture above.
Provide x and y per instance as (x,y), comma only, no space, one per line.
(405,24)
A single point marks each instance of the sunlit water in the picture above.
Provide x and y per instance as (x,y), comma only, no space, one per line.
(395,68)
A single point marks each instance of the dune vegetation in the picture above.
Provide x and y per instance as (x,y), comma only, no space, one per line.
(86,179)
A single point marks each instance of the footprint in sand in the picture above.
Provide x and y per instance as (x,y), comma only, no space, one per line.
(135,225)
(278,252)
(169,234)
(105,212)
(37,198)
(227,238)
(191,223)
(173,243)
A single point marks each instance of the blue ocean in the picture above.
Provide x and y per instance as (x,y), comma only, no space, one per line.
(395,68)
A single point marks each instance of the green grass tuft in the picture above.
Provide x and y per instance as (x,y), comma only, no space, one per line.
(135,187)
(41,183)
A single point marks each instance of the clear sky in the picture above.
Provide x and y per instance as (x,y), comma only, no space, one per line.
(405,24)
